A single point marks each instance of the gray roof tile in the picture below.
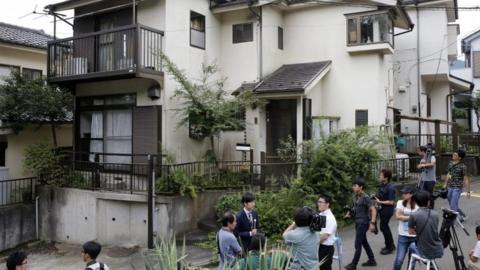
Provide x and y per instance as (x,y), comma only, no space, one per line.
(291,78)
(23,36)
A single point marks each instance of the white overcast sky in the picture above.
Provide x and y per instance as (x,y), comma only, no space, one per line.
(14,12)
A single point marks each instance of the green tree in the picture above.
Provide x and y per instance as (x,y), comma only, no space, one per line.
(206,107)
(24,102)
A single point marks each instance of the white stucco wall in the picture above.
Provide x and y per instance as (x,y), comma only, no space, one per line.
(433,51)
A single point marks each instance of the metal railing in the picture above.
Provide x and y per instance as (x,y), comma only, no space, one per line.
(123,50)
(220,3)
(91,171)
(403,169)
(469,142)
(16,191)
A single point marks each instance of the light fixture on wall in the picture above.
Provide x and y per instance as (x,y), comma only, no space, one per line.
(153,91)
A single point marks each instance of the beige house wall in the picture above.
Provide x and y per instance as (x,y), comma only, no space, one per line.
(14,156)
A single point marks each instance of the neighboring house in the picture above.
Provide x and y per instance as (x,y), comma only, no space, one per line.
(24,50)
(422,76)
(471,69)
(320,67)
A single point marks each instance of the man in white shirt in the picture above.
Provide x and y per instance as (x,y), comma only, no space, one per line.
(327,234)
(474,262)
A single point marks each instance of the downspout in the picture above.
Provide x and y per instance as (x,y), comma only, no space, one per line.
(260,39)
(36,218)
(418,70)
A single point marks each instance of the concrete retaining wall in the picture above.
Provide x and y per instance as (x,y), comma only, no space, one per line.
(77,216)
(17,225)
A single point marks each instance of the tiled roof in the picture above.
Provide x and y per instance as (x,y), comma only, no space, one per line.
(23,36)
(291,78)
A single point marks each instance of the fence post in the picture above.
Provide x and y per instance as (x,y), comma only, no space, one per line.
(262,170)
(251,167)
(403,169)
(454,137)
(96,176)
(437,135)
(150,200)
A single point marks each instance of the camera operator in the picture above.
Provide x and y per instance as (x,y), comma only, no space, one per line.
(424,224)
(304,241)
(386,199)
(327,234)
(365,215)
(428,166)
(456,180)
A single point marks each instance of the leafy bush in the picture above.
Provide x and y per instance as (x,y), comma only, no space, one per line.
(329,168)
(177,182)
(42,160)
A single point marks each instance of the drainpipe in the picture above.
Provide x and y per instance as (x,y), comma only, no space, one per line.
(418,70)
(260,39)
(36,217)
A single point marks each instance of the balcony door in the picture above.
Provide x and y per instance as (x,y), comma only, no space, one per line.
(115,49)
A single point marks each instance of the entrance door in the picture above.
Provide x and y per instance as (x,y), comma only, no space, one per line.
(281,122)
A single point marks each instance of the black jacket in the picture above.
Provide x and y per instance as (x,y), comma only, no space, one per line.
(243,228)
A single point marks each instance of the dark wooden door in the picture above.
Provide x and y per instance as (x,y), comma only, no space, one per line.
(281,122)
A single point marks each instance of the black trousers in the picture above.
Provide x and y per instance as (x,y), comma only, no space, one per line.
(428,186)
(361,241)
(385,215)
(326,252)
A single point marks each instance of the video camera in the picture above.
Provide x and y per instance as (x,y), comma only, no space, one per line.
(442,193)
(317,221)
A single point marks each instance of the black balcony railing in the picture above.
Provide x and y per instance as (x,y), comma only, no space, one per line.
(222,3)
(121,51)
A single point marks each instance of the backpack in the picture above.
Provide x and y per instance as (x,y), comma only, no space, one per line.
(102,267)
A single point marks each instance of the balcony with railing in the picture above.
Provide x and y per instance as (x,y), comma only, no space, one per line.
(128,51)
(228,3)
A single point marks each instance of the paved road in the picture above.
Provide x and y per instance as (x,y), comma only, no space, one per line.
(470,206)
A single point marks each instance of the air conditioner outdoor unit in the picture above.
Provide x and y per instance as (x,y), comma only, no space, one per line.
(75,66)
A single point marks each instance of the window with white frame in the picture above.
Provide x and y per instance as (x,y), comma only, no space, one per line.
(197,30)
(365,29)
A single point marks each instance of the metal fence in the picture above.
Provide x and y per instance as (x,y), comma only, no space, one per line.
(469,142)
(15,191)
(403,169)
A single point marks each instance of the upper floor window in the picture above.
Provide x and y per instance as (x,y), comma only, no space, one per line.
(197,30)
(361,118)
(31,74)
(365,29)
(6,70)
(242,32)
(280,38)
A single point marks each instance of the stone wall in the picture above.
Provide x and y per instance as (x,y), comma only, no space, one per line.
(17,225)
(77,216)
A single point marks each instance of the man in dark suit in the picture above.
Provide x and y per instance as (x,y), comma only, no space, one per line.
(247,221)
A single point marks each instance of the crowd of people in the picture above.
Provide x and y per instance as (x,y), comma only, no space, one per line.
(418,222)
(418,225)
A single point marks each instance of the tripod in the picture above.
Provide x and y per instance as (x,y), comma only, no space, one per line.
(449,233)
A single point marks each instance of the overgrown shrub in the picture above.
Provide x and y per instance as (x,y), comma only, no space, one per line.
(328,168)
(42,160)
(177,182)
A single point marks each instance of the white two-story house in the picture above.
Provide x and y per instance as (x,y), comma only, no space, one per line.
(423,81)
(319,66)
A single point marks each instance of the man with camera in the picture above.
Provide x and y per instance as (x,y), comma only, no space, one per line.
(424,224)
(365,215)
(304,241)
(327,234)
(428,166)
(385,201)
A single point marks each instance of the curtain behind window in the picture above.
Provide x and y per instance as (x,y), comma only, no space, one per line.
(118,135)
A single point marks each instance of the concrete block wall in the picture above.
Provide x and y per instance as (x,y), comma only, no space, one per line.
(17,225)
(76,216)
